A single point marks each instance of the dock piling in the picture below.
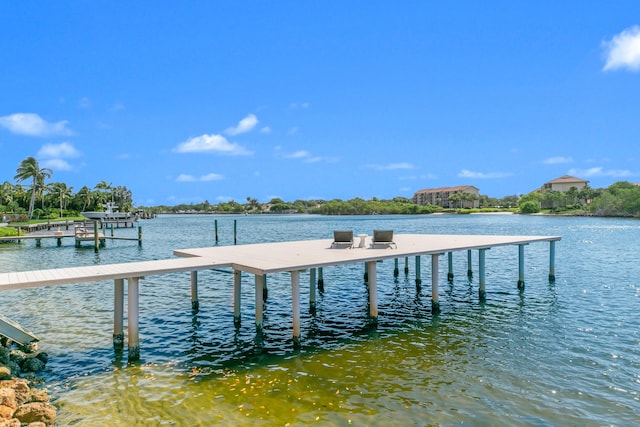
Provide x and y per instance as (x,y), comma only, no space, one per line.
(195,304)
(259,300)
(118,314)
(482,292)
(521,267)
(435,300)
(469,265)
(450,265)
(552,261)
(295,306)
(373,291)
(237,280)
(133,319)
(312,288)
(396,270)
(418,273)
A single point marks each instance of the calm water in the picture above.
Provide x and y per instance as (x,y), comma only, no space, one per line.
(566,353)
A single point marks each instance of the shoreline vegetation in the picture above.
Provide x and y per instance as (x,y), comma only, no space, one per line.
(56,200)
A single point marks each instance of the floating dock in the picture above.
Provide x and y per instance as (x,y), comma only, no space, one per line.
(266,258)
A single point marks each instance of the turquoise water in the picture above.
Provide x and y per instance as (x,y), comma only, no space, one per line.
(563,353)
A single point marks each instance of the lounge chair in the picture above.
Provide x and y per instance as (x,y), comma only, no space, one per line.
(383,237)
(342,238)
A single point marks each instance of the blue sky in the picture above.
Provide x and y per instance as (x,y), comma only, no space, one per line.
(189,101)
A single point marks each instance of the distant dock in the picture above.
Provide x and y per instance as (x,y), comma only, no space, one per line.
(80,231)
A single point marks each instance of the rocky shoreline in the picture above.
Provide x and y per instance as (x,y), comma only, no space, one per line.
(21,402)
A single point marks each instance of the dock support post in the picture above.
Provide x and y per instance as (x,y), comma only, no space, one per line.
(396,270)
(406,265)
(373,291)
(521,267)
(259,301)
(450,266)
(215,222)
(320,280)
(139,235)
(118,314)
(195,304)
(237,275)
(312,288)
(38,243)
(418,275)
(133,318)
(59,241)
(295,306)
(552,261)
(435,300)
(265,291)
(96,232)
(469,265)
(482,293)
(235,231)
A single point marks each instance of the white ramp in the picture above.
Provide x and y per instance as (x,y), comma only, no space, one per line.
(15,332)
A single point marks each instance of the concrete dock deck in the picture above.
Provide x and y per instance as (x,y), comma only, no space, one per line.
(261,259)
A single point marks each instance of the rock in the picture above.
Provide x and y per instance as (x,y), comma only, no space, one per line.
(17,356)
(36,412)
(6,412)
(5,373)
(8,398)
(32,364)
(43,356)
(10,423)
(23,392)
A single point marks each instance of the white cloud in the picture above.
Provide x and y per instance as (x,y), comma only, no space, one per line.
(183,177)
(211,177)
(299,105)
(557,160)
(57,165)
(33,125)
(265,129)
(307,157)
(392,166)
(245,125)
(465,173)
(600,171)
(212,143)
(623,50)
(63,150)
(301,154)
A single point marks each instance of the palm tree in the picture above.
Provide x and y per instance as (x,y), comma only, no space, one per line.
(63,193)
(85,196)
(30,169)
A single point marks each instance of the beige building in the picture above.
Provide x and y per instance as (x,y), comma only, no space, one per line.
(443,197)
(564,183)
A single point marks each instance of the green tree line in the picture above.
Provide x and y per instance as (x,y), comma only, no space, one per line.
(32,197)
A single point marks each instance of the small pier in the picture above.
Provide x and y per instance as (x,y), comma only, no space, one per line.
(93,232)
(292,257)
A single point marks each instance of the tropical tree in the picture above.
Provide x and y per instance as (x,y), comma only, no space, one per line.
(62,193)
(30,169)
(85,196)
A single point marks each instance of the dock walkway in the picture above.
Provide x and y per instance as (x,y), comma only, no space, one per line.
(261,259)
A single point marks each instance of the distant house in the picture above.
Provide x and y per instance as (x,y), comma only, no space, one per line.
(443,197)
(564,183)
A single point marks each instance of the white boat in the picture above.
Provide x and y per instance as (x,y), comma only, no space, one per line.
(110,213)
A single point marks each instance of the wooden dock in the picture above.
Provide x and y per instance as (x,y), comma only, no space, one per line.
(81,231)
(267,258)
